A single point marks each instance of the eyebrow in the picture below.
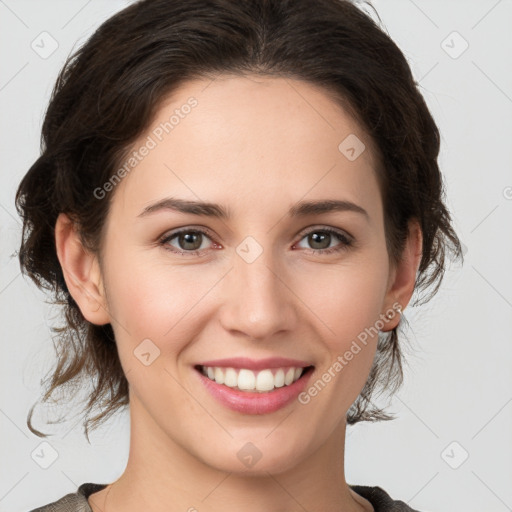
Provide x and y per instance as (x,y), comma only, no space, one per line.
(301,209)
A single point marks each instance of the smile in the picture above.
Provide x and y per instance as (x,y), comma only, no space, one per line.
(250,392)
(244,379)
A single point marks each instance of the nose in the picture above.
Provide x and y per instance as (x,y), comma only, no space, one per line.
(258,301)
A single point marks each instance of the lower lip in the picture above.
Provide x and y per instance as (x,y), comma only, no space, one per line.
(255,402)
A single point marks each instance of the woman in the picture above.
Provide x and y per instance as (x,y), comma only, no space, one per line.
(235,203)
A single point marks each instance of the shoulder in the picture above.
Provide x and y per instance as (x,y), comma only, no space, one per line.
(381,500)
(74,501)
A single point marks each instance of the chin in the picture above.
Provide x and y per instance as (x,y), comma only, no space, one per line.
(255,458)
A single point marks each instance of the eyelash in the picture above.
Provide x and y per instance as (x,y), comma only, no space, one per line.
(346,242)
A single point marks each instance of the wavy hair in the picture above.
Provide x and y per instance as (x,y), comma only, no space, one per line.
(110,89)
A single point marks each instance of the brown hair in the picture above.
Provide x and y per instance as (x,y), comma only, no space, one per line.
(109,91)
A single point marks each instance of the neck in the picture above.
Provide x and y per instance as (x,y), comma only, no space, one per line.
(162,475)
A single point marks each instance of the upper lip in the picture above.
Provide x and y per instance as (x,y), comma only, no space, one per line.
(253,364)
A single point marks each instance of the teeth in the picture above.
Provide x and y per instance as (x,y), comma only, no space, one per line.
(279,378)
(219,376)
(230,377)
(247,380)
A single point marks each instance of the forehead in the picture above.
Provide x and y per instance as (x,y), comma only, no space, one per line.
(250,141)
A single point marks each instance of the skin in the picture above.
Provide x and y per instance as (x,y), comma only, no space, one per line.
(257,146)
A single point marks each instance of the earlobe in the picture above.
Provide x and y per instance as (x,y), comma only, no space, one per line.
(404,275)
(81,272)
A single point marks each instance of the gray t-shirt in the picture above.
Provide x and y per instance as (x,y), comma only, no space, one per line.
(77,501)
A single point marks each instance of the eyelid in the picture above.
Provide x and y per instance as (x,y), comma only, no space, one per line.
(186,229)
(321,227)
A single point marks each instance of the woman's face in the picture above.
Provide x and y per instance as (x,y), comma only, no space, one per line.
(251,286)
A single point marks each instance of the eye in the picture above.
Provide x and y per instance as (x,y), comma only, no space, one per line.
(189,241)
(320,239)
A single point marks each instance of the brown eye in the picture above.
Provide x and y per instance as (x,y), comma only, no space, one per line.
(190,240)
(320,241)
(185,242)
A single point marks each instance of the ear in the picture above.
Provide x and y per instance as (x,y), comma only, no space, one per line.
(81,272)
(403,276)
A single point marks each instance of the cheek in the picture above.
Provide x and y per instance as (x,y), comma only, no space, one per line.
(156,301)
(346,303)
(347,299)
(155,311)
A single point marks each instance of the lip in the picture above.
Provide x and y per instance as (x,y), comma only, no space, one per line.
(247,402)
(253,364)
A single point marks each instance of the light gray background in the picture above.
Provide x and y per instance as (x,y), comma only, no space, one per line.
(457,396)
